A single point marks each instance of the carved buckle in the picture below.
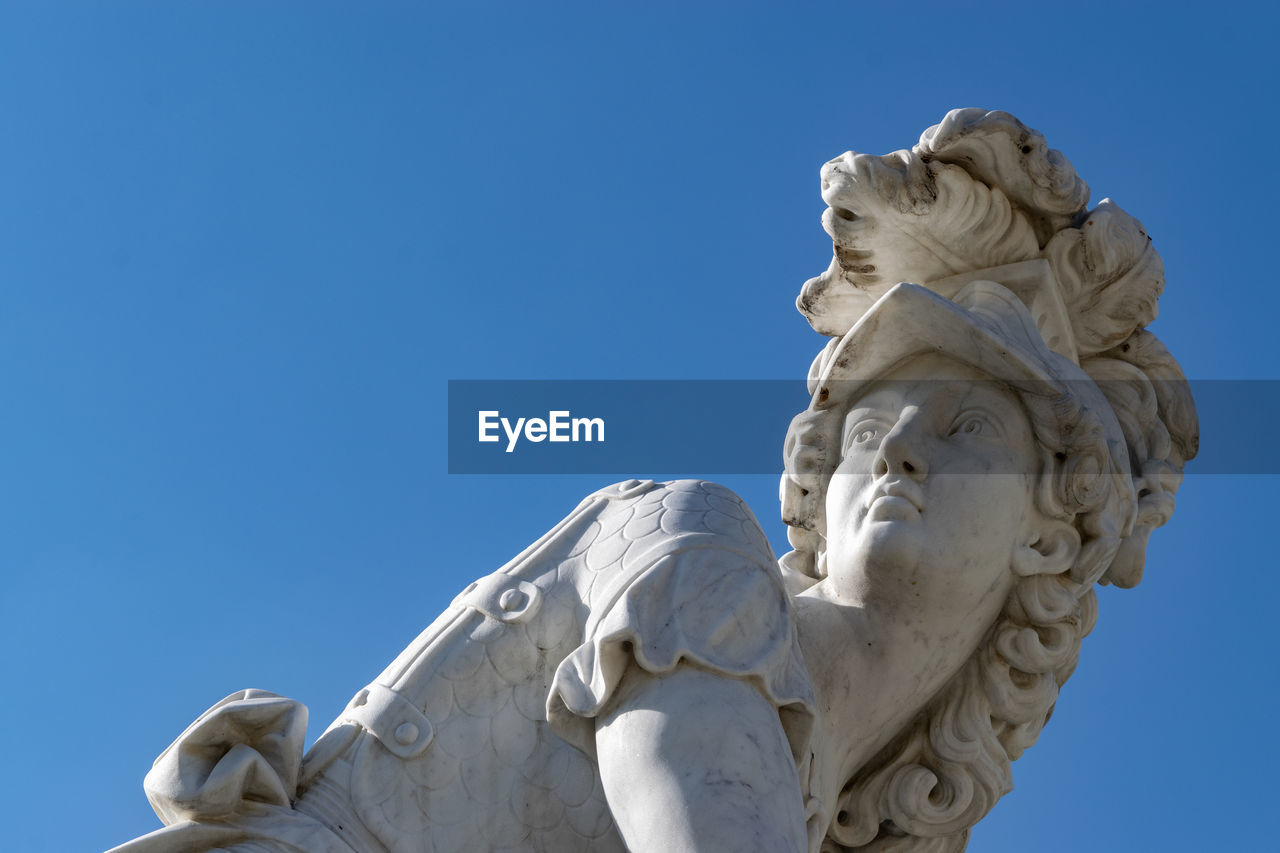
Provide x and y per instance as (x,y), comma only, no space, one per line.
(623,490)
(502,597)
(396,722)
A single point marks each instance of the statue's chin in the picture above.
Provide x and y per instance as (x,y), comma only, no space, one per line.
(883,561)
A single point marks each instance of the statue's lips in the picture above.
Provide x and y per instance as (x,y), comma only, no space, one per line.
(889,508)
(900,499)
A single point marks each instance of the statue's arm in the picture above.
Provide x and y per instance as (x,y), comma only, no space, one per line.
(694,761)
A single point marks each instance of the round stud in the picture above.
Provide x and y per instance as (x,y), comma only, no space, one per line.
(406,733)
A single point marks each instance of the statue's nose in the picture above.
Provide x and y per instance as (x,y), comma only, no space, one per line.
(902,450)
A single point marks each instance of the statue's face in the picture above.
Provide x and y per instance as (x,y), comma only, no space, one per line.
(933,493)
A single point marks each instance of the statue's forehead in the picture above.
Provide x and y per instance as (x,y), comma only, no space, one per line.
(929,374)
(942,387)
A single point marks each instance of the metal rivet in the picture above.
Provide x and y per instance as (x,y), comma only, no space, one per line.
(406,734)
(512,599)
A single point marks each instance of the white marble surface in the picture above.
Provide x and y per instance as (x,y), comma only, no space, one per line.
(983,445)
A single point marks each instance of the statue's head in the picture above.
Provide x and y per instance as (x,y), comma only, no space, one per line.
(954,452)
(931,508)
(1003,438)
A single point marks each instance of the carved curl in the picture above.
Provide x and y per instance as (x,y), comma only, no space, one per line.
(953,222)
(947,770)
(1110,276)
(1152,402)
(1003,152)
(979,190)
(937,778)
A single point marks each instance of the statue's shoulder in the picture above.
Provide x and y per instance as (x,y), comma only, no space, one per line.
(678,514)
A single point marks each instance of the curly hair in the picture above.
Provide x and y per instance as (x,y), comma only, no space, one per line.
(952,763)
(1114,442)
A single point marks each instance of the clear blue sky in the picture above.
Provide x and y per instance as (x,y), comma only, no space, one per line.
(243,247)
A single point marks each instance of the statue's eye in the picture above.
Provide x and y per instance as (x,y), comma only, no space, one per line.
(864,430)
(865,435)
(971,425)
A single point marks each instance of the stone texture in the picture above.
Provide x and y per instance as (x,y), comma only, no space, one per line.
(992,431)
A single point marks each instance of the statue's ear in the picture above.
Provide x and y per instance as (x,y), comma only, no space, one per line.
(1051,548)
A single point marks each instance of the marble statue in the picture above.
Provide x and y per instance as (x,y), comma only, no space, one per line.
(992,432)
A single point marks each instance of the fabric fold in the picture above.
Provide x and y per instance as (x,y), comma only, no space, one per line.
(246,749)
(719,609)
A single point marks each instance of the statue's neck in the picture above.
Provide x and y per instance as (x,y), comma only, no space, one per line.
(873,670)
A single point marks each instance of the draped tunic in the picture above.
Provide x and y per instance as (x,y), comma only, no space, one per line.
(481,734)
